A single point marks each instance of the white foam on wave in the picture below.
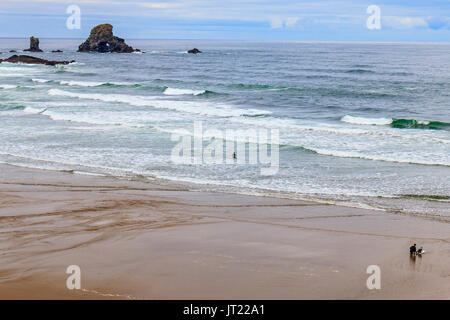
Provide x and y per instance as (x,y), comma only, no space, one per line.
(15,75)
(99,119)
(91,83)
(306,126)
(81,83)
(386,158)
(203,108)
(7,86)
(380,143)
(32,110)
(366,121)
(40,80)
(21,69)
(178,92)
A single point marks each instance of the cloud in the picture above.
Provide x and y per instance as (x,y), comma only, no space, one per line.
(434,23)
(325,19)
(160,5)
(277,22)
(291,22)
(395,22)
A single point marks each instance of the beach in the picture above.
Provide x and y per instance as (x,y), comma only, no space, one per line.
(158,240)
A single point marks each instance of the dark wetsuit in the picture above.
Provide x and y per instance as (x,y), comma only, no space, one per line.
(412,250)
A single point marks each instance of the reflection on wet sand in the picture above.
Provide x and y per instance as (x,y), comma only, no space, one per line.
(139,240)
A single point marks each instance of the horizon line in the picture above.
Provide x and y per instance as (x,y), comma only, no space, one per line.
(247,40)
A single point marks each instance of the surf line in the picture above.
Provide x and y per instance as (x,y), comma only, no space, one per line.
(228,146)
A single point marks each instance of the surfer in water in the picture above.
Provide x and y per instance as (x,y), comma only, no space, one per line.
(412,249)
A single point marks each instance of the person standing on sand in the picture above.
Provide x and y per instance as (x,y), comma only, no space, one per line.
(412,249)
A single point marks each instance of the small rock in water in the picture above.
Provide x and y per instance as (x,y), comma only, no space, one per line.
(56,51)
(33,60)
(194,51)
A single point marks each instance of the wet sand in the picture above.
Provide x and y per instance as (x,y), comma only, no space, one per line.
(136,240)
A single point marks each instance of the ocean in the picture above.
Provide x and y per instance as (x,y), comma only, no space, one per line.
(360,124)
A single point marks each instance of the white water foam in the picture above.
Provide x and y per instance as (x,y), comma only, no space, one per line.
(178,92)
(386,158)
(89,118)
(366,121)
(40,80)
(203,108)
(7,75)
(91,83)
(7,86)
(32,110)
(82,83)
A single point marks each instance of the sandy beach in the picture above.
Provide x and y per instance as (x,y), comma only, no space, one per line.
(135,240)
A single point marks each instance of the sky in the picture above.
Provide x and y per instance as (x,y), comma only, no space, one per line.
(320,20)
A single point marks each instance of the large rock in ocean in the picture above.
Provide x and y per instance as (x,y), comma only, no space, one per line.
(103,40)
(33,60)
(34,45)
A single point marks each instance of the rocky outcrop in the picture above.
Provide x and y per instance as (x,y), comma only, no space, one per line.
(34,45)
(194,51)
(33,60)
(57,51)
(103,40)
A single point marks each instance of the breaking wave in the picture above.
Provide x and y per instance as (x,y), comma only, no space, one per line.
(178,92)
(203,108)
(398,123)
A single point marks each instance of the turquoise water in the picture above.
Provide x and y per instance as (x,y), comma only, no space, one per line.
(359,124)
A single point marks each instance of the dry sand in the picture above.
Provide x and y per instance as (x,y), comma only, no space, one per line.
(135,240)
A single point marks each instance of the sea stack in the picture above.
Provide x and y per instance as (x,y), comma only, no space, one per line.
(102,40)
(34,45)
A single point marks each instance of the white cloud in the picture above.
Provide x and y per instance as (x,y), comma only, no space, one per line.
(291,22)
(403,22)
(276,22)
(160,5)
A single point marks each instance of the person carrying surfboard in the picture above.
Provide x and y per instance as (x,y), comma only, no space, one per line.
(412,249)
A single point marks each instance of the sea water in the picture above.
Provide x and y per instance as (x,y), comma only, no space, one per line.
(359,124)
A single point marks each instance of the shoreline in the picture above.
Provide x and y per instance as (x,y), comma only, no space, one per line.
(144,240)
(216,188)
(246,191)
